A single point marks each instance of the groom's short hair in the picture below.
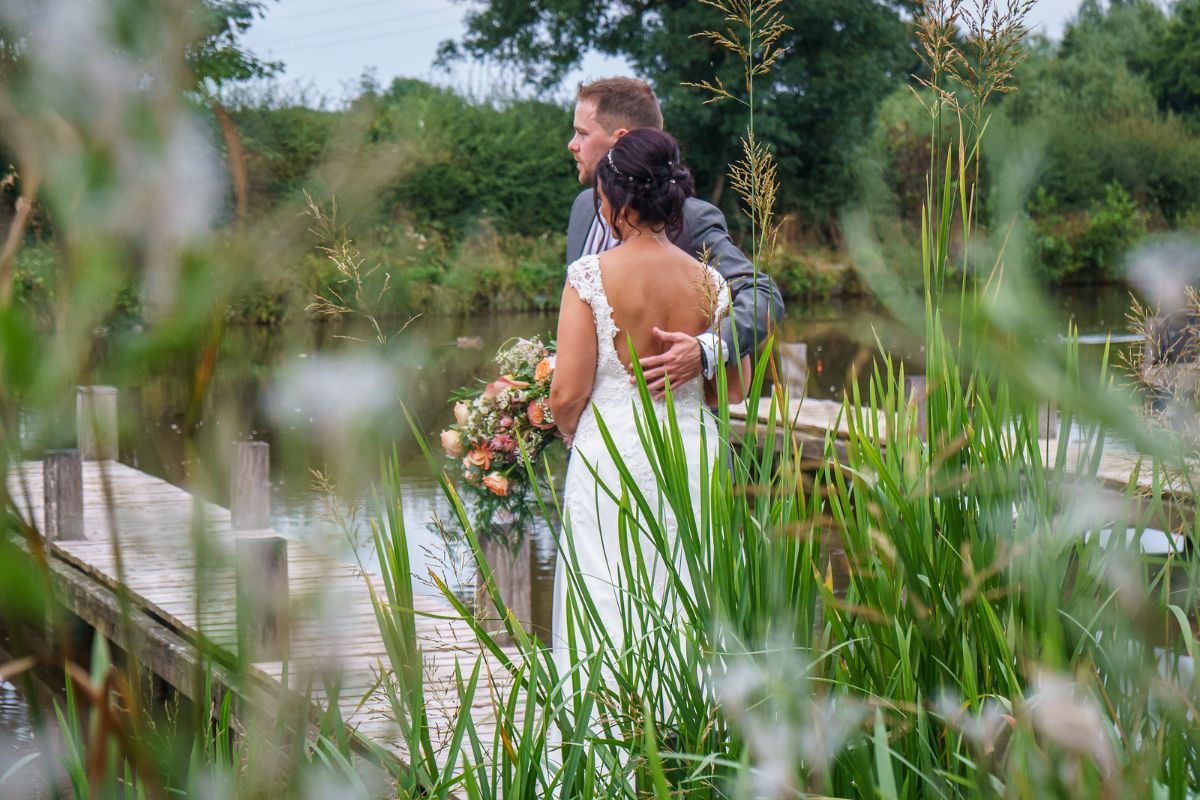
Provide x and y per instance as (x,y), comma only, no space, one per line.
(622,103)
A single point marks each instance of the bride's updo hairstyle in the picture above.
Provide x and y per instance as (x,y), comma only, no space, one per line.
(643,173)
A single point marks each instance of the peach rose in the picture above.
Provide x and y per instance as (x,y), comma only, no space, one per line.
(503,382)
(539,412)
(479,457)
(497,483)
(461,413)
(452,443)
(544,368)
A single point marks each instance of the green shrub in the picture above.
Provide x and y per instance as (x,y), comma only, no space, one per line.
(34,278)
(504,162)
(1085,246)
(811,273)
(283,146)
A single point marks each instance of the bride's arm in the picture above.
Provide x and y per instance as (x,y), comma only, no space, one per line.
(574,362)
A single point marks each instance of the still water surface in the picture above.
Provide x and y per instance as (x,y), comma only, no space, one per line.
(422,365)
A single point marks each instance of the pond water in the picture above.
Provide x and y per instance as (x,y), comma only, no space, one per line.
(432,357)
(17,737)
(28,741)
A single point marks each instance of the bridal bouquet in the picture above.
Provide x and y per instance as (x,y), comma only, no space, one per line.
(491,427)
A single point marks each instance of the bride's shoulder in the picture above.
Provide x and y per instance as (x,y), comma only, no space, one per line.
(584,264)
(584,274)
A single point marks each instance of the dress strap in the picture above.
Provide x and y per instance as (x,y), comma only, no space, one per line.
(584,275)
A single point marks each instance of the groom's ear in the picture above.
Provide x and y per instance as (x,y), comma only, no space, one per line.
(619,132)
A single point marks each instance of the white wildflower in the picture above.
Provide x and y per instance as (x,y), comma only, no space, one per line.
(1066,715)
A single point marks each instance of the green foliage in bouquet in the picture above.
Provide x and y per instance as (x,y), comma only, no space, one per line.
(493,426)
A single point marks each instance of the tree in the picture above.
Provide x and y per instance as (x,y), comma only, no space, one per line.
(1176,75)
(1128,30)
(842,57)
(216,56)
(214,53)
(212,50)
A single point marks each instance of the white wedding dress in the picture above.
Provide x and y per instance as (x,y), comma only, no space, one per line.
(591,538)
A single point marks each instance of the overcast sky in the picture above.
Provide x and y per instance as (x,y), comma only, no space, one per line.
(325,45)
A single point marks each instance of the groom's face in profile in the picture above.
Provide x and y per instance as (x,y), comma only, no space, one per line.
(591,140)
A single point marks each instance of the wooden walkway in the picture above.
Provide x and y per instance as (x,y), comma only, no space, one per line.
(813,420)
(333,625)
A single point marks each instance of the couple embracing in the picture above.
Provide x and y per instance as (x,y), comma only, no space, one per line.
(636,284)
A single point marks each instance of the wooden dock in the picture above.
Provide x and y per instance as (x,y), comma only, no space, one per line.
(333,624)
(812,421)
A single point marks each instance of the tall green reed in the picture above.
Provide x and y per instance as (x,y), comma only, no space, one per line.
(994,631)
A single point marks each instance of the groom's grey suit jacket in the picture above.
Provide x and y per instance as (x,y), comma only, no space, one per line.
(756,299)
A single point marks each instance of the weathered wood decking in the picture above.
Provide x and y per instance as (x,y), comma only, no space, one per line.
(333,625)
(812,419)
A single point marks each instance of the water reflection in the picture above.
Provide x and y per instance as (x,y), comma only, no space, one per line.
(19,740)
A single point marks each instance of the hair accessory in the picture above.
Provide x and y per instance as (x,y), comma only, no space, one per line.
(614,166)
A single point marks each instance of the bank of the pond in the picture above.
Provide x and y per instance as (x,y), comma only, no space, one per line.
(483,275)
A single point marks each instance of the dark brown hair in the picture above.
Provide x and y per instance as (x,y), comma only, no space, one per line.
(622,103)
(643,173)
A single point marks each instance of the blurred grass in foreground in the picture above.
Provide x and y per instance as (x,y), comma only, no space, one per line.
(933,617)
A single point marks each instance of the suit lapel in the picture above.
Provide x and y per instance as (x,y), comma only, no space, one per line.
(582,214)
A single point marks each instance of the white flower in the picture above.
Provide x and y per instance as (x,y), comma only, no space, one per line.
(983,728)
(767,694)
(1064,714)
(339,396)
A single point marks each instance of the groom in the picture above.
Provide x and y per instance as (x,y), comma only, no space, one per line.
(604,112)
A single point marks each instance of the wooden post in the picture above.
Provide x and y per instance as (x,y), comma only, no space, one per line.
(262,597)
(915,391)
(62,484)
(793,368)
(96,422)
(512,571)
(1047,422)
(250,486)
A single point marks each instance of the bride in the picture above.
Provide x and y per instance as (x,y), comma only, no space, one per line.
(618,529)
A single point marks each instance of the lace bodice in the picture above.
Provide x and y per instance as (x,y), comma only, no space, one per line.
(612,393)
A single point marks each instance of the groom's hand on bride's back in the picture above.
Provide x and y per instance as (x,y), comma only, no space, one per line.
(680,360)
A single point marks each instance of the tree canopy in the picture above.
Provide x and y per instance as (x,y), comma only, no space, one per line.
(217,55)
(841,58)
(1176,74)
(214,54)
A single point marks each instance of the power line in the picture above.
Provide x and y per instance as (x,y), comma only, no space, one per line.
(337,10)
(356,39)
(356,27)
